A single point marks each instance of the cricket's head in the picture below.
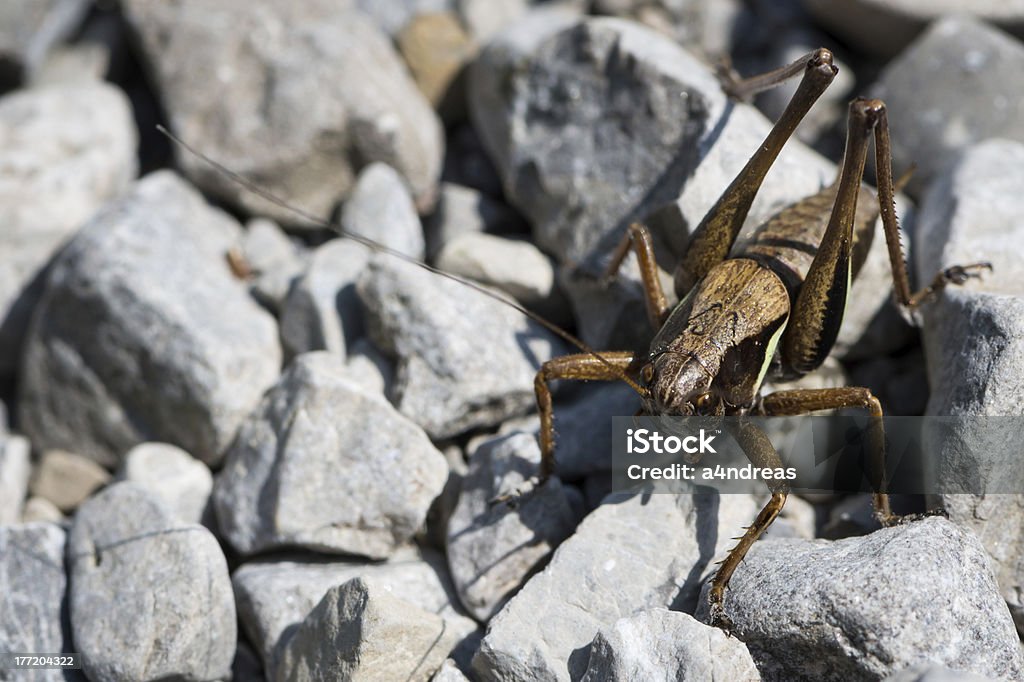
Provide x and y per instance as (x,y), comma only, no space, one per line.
(679,383)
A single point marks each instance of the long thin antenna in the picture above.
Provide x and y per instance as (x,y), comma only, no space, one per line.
(381,248)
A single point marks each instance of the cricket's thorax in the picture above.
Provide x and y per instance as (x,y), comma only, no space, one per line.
(719,340)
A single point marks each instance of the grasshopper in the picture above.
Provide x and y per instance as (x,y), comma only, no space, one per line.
(769,307)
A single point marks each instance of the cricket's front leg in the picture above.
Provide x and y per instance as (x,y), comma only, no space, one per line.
(605,366)
(761,453)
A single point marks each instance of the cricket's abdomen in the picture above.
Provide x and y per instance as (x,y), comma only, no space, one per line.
(787,242)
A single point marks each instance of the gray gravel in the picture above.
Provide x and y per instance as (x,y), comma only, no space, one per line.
(144,334)
(956,85)
(274,596)
(30,30)
(381,209)
(275,260)
(659,644)
(172,476)
(493,548)
(632,553)
(322,310)
(363,632)
(324,464)
(33,582)
(150,596)
(257,115)
(15,469)
(865,607)
(464,360)
(67,150)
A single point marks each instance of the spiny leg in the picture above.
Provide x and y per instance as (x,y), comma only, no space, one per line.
(818,311)
(957,274)
(761,453)
(610,366)
(805,401)
(639,238)
(714,237)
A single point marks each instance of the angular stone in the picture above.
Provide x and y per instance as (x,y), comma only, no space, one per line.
(274,259)
(362,632)
(381,210)
(67,479)
(172,476)
(437,49)
(463,210)
(516,267)
(275,596)
(925,672)
(870,606)
(884,27)
(590,127)
(493,548)
(322,310)
(484,18)
(324,464)
(15,469)
(659,644)
(464,360)
(33,611)
(143,334)
(151,597)
(29,29)
(254,115)
(958,84)
(369,368)
(449,672)
(67,150)
(632,553)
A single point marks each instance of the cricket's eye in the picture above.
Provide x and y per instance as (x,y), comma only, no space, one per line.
(647,373)
(702,402)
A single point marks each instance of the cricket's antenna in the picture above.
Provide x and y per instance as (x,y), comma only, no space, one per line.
(380,248)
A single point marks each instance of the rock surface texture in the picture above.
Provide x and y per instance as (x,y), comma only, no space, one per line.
(864,607)
(324,464)
(144,334)
(309,92)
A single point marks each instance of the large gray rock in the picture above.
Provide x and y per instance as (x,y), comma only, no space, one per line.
(865,607)
(464,360)
(493,548)
(327,465)
(15,469)
(956,85)
(970,213)
(67,150)
(151,597)
(590,125)
(659,644)
(322,310)
(172,476)
(380,209)
(254,114)
(884,27)
(33,611)
(360,631)
(274,596)
(29,29)
(143,333)
(632,553)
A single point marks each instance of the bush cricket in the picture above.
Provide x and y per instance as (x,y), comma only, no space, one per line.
(770,306)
